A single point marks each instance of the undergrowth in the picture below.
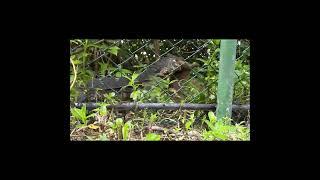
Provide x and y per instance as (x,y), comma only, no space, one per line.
(103,124)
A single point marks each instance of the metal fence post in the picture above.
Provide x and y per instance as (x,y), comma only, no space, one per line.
(226,78)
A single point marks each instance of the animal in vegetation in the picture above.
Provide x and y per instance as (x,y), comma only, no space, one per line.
(165,66)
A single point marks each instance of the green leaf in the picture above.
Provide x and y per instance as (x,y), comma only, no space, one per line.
(216,51)
(75,62)
(91,115)
(188,124)
(103,137)
(119,122)
(80,125)
(210,125)
(113,50)
(220,136)
(153,117)
(125,130)
(125,71)
(135,94)
(212,117)
(216,42)
(83,55)
(183,119)
(112,125)
(192,119)
(103,68)
(153,137)
(118,74)
(134,76)
(80,114)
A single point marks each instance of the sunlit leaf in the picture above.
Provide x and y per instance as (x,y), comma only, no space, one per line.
(153,137)
(113,50)
(212,117)
(135,94)
(125,130)
(119,122)
(210,125)
(75,62)
(134,76)
(188,124)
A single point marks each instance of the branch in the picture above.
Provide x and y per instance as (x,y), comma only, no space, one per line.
(75,74)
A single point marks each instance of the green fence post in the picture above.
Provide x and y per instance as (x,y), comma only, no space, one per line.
(226,78)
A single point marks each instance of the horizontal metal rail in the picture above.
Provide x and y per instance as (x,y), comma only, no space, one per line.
(165,106)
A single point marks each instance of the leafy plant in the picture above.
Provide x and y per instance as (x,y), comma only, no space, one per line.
(119,122)
(219,130)
(102,109)
(81,114)
(132,79)
(164,83)
(201,89)
(190,122)
(103,68)
(119,71)
(118,127)
(212,120)
(110,97)
(136,95)
(153,117)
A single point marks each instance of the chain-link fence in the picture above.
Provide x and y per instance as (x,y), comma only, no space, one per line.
(154,71)
(161,86)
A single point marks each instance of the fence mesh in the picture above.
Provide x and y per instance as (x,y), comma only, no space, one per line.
(120,58)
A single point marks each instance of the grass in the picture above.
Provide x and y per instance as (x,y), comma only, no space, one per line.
(180,125)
